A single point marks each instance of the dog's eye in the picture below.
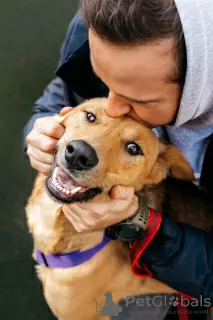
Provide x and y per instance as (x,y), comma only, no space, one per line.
(133,149)
(90,117)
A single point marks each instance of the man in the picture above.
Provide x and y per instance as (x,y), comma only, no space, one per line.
(153,60)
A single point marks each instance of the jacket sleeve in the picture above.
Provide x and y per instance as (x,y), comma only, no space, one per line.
(182,257)
(50,103)
(55,97)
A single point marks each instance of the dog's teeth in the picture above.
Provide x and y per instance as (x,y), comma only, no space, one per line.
(55,183)
(68,192)
(55,173)
(75,190)
(64,190)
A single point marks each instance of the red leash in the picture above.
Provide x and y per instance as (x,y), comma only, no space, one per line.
(138,248)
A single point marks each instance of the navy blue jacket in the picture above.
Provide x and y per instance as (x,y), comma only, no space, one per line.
(184,258)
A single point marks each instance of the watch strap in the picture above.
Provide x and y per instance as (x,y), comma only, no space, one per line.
(141,218)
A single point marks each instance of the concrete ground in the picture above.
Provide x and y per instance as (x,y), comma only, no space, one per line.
(31,33)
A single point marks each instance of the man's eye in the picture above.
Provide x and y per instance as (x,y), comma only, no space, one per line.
(90,117)
(133,149)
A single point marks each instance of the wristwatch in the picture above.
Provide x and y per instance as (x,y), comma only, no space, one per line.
(131,229)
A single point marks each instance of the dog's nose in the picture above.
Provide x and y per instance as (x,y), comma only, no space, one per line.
(80,155)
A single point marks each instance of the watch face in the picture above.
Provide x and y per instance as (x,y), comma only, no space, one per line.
(128,232)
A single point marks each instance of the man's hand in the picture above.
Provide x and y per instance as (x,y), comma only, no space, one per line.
(87,216)
(42,141)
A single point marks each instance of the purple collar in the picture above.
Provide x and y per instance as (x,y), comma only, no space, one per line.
(72,259)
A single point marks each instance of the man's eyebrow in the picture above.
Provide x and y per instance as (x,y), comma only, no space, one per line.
(139,101)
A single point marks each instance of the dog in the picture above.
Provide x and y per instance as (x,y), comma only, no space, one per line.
(96,153)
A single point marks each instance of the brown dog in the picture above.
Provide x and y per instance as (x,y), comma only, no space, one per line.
(96,153)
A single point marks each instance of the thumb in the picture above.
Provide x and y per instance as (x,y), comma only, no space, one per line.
(122,193)
(65,110)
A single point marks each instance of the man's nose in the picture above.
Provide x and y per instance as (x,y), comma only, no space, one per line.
(116,106)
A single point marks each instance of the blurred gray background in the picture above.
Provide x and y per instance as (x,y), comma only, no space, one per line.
(31,34)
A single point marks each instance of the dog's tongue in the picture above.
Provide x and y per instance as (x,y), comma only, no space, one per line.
(64,179)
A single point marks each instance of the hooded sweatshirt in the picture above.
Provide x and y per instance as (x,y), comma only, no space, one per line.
(194,123)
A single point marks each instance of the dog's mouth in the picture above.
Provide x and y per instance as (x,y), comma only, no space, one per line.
(64,188)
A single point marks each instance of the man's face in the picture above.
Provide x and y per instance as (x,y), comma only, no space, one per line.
(139,79)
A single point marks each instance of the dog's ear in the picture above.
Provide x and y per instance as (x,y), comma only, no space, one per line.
(170,162)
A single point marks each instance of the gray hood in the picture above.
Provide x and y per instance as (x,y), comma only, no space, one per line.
(196,108)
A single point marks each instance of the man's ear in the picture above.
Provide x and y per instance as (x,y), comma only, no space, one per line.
(170,162)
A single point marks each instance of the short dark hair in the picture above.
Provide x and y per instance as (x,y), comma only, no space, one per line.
(134,22)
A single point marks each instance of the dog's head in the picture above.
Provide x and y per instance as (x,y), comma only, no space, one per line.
(98,152)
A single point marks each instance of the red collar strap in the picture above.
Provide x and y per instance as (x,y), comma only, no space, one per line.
(141,244)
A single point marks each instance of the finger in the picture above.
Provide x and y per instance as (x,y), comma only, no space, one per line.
(118,210)
(41,142)
(87,220)
(100,211)
(41,167)
(130,211)
(65,110)
(40,156)
(75,225)
(49,127)
(94,210)
(75,212)
(122,215)
(75,220)
(122,193)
